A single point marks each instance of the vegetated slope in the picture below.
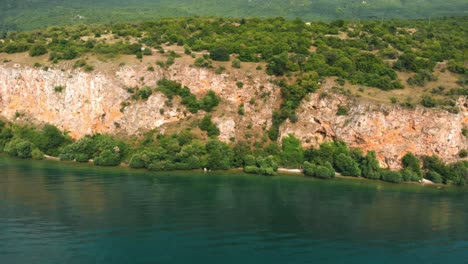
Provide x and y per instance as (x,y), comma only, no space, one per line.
(393,87)
(27,14)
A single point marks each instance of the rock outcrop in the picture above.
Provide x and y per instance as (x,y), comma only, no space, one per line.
(389,130)
(99,102)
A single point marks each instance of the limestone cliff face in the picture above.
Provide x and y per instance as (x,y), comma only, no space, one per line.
(93,102)
(389,130)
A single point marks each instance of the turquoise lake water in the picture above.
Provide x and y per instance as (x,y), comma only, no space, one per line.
(52,212)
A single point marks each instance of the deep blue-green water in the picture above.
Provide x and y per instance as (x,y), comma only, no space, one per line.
(52,212)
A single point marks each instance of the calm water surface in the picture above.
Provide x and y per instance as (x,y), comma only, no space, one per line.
(59,213)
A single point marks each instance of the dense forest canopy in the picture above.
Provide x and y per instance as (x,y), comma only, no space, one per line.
(32,14)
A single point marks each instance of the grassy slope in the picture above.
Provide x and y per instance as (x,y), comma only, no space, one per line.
(31,14)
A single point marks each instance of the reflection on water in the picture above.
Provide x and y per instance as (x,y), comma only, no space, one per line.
(55,213)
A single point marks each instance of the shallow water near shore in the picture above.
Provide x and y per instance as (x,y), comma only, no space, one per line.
(52,212)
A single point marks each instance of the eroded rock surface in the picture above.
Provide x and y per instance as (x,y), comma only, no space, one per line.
(95,102)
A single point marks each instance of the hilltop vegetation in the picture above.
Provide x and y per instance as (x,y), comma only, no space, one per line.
(27,14)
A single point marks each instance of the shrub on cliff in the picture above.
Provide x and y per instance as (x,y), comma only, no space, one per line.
(207,125)
(209,102)
(391,176)
(143,94)
(409,161)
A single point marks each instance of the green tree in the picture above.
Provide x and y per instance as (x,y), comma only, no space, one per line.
(37,50)
(370,166)
(219,53)
(219,155)
(409,161)
(292,155)
(277,65)
(347,166)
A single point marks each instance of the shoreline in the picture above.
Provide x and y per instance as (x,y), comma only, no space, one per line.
(282,171)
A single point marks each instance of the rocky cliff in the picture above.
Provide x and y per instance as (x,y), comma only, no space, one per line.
(100,102)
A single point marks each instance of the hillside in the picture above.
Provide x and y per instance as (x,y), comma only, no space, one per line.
(33,14)
(393,87)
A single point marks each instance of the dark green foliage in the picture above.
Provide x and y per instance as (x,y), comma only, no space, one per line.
(15,47)
(108,158)
(139,160)
(209,102)
(277,65)
(203,63)
(19,148)
(143,93)
(37,50)
(428,101)
(207,125)
(434,177)
(241,153)
(412,163)
(435,164)
(81,157)
(410,62)
(459,172)
(457,67)
(409,175)
(219,155)
(236,63)
(319,171)
(219,53)
(342,110)
(50,140)
(59,88)
(172,88)
(147,52)
(103,149)
(292,154)
(391,176)
(370,167)
(421,78)
(463,153)
(36,154)
(84,147)
(347,166)
(261,165)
